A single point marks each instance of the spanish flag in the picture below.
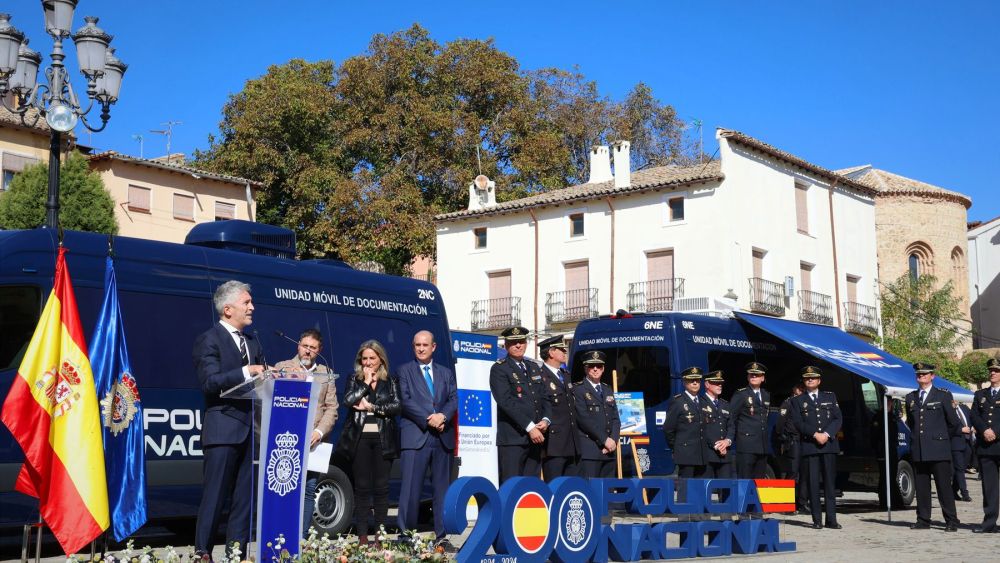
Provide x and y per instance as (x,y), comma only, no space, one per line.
(52,412)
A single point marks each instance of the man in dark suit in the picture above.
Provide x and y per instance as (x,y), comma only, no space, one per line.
(597,420)
(523,408)
(961,451)
(986,420)
(429,400)
(683,426)
(225,357)
(748,432)
(562,451)
(817,419)
(715,412)
(932,423)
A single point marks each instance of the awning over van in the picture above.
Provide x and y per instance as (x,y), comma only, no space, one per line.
(833,345)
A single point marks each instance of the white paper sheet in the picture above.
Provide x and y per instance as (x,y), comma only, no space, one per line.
(319,457)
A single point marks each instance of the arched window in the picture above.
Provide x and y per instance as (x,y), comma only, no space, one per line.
(914,266)
(920,259)
(958,267)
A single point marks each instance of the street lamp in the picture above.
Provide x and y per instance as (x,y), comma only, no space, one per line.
(55,100)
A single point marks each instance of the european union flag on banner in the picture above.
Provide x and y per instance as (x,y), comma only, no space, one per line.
(474,408)
(121,415)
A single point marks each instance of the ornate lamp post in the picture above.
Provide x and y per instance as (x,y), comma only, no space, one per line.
(55,100)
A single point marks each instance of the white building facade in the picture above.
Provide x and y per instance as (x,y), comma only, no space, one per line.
(984,283)
(759,230)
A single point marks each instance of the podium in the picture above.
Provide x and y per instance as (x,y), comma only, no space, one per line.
(287,408)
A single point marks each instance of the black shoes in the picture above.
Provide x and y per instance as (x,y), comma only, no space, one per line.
(951,528)
(920,526)
(817,526)
(966,498)
(834,526)
(982,530)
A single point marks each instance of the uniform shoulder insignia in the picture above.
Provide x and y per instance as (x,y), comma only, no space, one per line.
(741,389)
(501,360)
(678,396)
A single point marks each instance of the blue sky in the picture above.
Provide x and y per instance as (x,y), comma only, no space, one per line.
(910,87)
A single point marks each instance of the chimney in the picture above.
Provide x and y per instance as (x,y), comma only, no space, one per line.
(482,193)
(600,165)
(623,168)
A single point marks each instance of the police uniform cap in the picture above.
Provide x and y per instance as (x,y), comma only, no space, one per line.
(692,373)
(811,372)
(715,377)
(554,342)
(756,367)
(593,357)
(993,364)
(922,368)
(515,334)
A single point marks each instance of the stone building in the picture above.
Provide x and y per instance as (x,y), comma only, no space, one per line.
(920,229)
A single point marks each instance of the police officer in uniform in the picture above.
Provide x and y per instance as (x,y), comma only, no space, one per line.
(817,418)
(683,426)
(597,420)
(748,410)
(523,408)
(788,445)
(986,420)
(562,451)
(932,423)
(716,421)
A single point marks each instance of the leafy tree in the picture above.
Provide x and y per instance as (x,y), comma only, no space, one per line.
(84,203)
(921,322)
(358,157)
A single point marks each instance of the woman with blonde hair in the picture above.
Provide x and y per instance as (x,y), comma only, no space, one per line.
(370,438)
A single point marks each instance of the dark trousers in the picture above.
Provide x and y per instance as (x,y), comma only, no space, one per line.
(685,472)
(559,466)
(988,473)
(519,461)
(751,466)
(941,470)
(959,461)
(597,468)
(414,466)
(825,465)
(227,470)
(795,471)
(718,470)
(371,482)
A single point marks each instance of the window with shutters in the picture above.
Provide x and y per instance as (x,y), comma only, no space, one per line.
(139,199)
(224,211)
(12,165)
(802,208)
(184,207)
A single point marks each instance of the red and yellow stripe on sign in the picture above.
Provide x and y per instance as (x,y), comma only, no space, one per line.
(641,440)
(776,495)
(531,522)
(53,413)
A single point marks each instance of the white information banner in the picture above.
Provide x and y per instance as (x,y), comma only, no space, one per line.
(475,354)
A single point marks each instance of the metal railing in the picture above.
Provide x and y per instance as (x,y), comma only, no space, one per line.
(815,307)
(655,295)
(860,319)
(572,305)
(767,297)
(495,314)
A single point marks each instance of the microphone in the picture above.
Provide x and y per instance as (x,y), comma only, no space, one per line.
(262,356)
(321,356)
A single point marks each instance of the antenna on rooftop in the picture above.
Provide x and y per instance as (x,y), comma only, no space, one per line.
(138,137)
(168,132)
(701,138)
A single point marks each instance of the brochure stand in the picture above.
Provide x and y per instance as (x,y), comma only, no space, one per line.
(287,406)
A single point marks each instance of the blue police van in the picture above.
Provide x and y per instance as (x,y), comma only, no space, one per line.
(649,351)
(165,292)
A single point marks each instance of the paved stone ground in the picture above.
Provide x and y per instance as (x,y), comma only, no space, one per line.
(867,536)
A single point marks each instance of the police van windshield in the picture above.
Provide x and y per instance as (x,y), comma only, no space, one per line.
(644,369)
(20,307)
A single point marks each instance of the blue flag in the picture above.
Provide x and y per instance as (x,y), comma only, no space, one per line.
(121,415)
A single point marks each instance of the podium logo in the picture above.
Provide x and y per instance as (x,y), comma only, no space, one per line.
(284,465)
(578,523)
(291,402)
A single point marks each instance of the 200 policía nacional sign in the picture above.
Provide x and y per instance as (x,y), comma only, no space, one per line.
(528,520)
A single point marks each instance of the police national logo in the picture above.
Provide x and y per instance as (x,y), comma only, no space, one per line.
(576,521)
(284,466)
(120,405)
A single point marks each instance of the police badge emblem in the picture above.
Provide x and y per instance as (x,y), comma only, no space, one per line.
(120,405)
(575,528)
(284,465)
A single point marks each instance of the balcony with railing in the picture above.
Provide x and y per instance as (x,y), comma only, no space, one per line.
(860,319)
(655,295)
(570,306)
(767,297)
(496,314)
(815,307)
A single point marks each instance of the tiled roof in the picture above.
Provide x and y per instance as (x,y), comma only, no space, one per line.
(976,224)
(8,118)
(650,178)
(888,183)
(747,140)
(112,155)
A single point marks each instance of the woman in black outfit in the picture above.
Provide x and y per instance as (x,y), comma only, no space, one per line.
(370,438)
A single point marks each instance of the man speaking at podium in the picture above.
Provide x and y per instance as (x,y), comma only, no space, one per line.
(224,357)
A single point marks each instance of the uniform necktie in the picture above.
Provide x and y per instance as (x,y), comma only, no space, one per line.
(715,402)
(922,395)
(243,348)
(994,393)
(429,379)
(757,394)
(600,391)
(521,366)
(813,395)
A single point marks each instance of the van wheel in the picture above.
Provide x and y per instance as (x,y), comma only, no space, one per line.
(334,503)
(905,490)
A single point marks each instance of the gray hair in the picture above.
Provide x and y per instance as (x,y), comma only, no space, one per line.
(227,293)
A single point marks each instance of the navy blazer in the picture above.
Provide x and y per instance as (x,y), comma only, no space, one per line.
(932,424)
(219,365)
(810,417)
(417,404)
